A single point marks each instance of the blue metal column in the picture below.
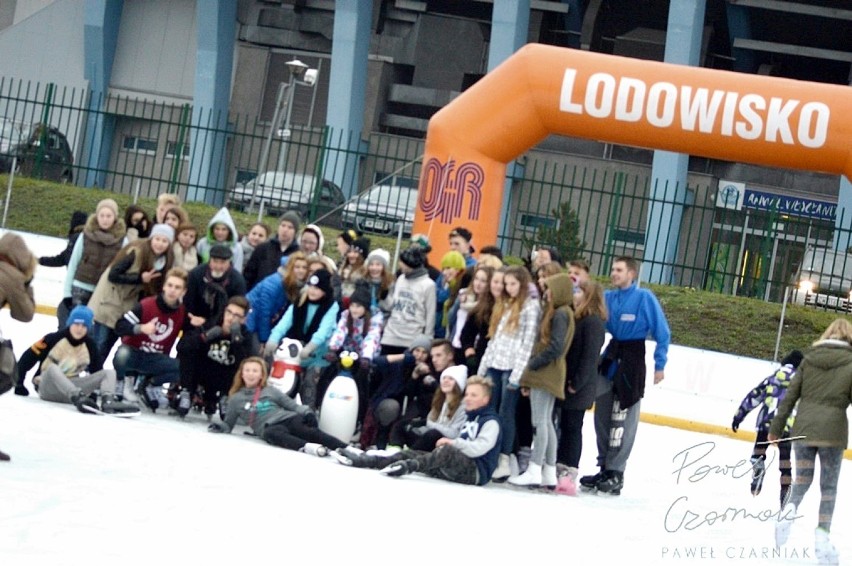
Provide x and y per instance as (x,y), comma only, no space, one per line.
(348,82)
(843,219)
(510,24)
(216,23)
(100,37)
(668,172)
(739,26)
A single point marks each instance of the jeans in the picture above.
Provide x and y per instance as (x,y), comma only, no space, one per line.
(104,338)
(160,368)
(506,404)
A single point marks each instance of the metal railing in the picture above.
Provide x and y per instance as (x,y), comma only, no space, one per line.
(595,209)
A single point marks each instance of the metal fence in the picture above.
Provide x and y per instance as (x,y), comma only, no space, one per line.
(593,209)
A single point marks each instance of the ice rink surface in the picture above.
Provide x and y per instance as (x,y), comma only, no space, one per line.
(86,489)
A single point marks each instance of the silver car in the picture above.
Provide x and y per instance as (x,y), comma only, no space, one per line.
(382,209)
(284,190)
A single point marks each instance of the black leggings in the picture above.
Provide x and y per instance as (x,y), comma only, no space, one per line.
(571,438)
(293,434)
(425,442)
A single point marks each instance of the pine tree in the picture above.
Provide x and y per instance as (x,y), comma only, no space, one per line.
(564,235)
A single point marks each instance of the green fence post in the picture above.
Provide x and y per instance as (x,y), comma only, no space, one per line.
(43,130)
(177,162)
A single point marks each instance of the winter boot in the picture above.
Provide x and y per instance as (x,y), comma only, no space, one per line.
(4,457)
(530,478)
(567,484)
(81,401)
(184,403)
(503,470)
(592,481)
(612,484)
(314,449)
(548,476)
(758,470)
(524,455)
(112,406)
(824,549)
(785,522)
(400,468)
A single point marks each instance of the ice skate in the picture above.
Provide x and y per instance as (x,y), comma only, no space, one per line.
(612,484)
(548,477)
(503,470)
(314,449)
(590,482)
(785,522)
(400,468)
(825,551)
(758,468)
(530,478)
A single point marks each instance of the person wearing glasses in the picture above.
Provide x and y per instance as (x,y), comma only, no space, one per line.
(210,355)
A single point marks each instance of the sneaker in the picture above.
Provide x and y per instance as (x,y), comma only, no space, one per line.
(112,406)
(530,478)
(591,482)
(758,470)
(612,484)
(82,401)
(184,403)
(785,522)
(400,468)
(825,551)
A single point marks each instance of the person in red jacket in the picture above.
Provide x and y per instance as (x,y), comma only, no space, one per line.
(148,331)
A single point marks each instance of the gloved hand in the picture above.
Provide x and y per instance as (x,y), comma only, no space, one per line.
(236,333)
(269,349)
(213,334)
(735,425)
(216,427)
(306,352)
(331,356)
(310,419)
(365,363)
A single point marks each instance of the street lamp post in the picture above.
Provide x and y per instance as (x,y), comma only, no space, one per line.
(299,74)
(297,69)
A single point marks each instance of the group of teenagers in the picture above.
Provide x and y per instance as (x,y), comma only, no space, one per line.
(471,358)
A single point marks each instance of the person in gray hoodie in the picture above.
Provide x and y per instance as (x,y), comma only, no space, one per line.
(272,415)
(221,230)
(414,299)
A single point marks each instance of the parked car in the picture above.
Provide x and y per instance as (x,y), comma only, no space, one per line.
(52,161)
(284,190)
(382,209)
(824,280)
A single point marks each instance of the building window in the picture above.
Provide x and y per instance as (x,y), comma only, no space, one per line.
(172,150)
(140,145)
(534,221)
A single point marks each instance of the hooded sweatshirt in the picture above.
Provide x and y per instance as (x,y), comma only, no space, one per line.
(222,216)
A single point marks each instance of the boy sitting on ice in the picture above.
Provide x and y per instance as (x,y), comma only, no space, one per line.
(472,457)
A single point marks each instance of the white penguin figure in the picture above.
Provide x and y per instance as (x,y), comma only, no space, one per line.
(286,367)
(339,413)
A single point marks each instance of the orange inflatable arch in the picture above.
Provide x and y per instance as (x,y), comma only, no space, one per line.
(544,90)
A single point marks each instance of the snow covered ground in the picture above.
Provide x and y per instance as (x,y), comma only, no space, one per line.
(90,490)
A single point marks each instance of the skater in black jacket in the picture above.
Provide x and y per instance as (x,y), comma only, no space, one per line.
(209,357)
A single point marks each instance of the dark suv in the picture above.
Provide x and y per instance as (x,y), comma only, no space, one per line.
(42,151)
